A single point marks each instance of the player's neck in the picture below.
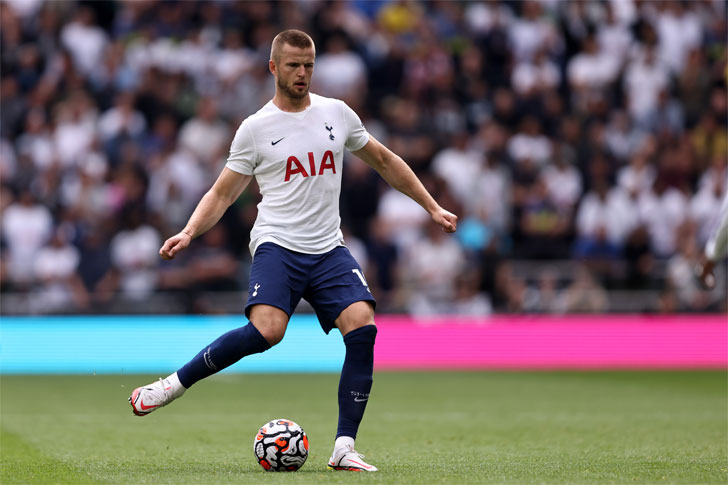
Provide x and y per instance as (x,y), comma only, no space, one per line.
(286,103)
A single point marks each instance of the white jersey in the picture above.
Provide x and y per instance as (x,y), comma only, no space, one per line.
(296,159)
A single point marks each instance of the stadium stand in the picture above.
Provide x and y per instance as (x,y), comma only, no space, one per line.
(582,144)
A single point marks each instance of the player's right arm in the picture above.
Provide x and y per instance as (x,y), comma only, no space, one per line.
(226,190)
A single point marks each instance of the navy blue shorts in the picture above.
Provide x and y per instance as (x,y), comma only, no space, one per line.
(330,282)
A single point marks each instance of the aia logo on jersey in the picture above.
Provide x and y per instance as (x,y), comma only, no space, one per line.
(294,165)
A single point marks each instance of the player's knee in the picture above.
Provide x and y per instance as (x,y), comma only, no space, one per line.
(270,322)
(271,329)
(271,333)
(357,315)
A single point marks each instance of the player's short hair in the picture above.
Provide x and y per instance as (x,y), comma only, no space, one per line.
(292,37)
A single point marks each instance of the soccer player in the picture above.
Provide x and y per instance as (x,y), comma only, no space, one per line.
(294,147)
(715,248)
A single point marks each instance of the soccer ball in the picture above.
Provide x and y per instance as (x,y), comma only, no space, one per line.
(281,446)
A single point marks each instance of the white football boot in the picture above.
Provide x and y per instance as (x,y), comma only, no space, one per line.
(347,459)
(153,396)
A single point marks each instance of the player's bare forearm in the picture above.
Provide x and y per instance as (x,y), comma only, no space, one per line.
(400,176)
(209,210)
(207,213)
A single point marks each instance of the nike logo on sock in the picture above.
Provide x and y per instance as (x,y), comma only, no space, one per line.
(359,399)
(274,142)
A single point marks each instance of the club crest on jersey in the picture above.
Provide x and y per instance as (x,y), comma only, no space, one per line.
(331,135)
(294,165)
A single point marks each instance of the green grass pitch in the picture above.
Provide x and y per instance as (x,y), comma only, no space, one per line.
(428,427)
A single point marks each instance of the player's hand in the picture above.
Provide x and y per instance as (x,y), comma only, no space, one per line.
(704,272)
(447,220)
(175,244)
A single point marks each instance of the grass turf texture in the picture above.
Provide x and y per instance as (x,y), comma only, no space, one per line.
(511,427)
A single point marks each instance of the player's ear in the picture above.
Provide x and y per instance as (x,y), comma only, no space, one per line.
(272,67)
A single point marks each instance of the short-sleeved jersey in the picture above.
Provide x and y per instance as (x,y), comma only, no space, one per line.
(297,159)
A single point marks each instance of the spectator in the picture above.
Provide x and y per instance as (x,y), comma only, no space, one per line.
(613,36)
(27,226)
(398,210)
(679,30)
(492,200)
(205,135)
(36,142)
(531,32)
(458,165)
(563,181)
(644,79)
(680,277)
(590,72)
(662,209)
(530,143)
(705,204)
(75,128)
(544,226)
(134,257)
(85,40)
(604,219)
(56,269)
(638,176)
(122,119)
(539,76)
(584,294)
(622,137)
(432,285)
(340,72)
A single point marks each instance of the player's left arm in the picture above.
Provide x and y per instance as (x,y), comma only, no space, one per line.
(400,176)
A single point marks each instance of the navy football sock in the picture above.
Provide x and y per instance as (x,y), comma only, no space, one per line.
(356,379)
(226,350)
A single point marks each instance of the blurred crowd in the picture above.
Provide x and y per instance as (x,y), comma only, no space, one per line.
(592,132)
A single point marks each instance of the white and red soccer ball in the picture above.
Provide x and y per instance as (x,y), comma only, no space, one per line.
(281,446)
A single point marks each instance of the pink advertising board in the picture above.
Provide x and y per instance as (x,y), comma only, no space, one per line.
(545,342)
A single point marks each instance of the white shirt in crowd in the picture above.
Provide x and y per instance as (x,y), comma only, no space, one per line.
(135,253)
(529,36)
(337,74)
(403,214)
(592,70)
(678,35)
(25,230)
(663,214)
(636,178)
(704,209)
(534,75)
(536,148)
(435,281)
(643,82)
(86,44)
(459,169)
(614,40)
(54,265)
(205,139)
(492,201)
(116,120)
(616,213)
(563,183)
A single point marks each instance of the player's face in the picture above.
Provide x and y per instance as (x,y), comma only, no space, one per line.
(293,71)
